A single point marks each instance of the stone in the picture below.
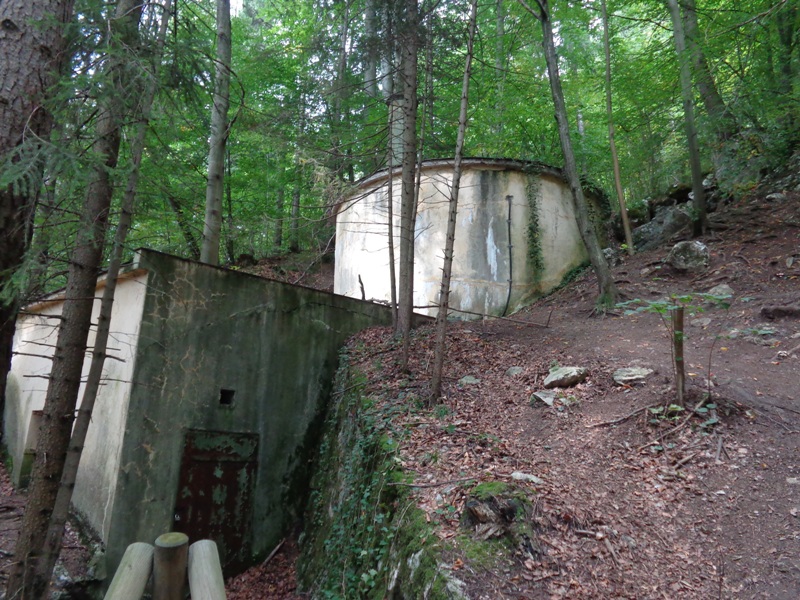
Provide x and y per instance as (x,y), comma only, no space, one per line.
(565,377)
(512,371)
(775,197)
(689,256)
(612,257)
(527,477)
(468,380)
(667,222)
(631,375)
(703,322)
(723,290)
(546,396)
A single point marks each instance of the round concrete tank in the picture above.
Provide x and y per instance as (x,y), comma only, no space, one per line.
(516,236)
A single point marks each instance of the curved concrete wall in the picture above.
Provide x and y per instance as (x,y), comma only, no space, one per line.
(516,237)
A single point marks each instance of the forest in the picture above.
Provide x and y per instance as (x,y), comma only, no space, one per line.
(228,132)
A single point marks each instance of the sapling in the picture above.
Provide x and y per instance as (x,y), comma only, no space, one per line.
(672,310)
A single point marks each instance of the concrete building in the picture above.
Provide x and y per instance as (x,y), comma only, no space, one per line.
(212,400)
(516,235)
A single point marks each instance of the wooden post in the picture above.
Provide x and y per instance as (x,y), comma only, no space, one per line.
(205,572)
(132,574)
(169,566)
(677,353)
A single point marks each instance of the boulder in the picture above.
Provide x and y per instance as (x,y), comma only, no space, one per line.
(631,375)
(667,222)
(689,256)
(565,377)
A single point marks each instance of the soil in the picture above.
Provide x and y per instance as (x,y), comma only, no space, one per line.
(633,502)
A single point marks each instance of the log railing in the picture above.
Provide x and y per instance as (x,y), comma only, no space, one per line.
(171,562)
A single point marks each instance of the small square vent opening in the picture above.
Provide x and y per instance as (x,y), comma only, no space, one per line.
(226,397)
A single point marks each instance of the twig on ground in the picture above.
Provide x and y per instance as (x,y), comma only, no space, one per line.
(685,460)
(719,449)
(274,552)
(611,551)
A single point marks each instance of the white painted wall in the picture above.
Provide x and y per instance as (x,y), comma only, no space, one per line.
(27,386)
(483,260)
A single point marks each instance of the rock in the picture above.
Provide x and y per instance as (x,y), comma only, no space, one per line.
(512,371)
(704,322)
(468,380)
(612,257)
(667,222)
(546,396)
(689,256)
(520,476)
(722,290)
(781,312)
(631,375)
(565,377)
(775,197)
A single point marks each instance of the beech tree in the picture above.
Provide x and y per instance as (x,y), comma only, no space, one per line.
(608,290)
(699,219)
(219,136)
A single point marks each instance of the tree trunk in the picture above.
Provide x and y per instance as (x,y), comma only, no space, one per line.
(371,49)
(183,225)
(94,377)
(31,38)
(623,210)
(447,269)
(410,45)
(277,238)
(229,242)
(721,119)
(787,21)
(30,573)
(219,137)
(608,290)
(500,61)
(294,233)
(699,218)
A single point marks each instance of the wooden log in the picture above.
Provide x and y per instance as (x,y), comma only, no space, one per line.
(132,574)
(169,566)
(205,572)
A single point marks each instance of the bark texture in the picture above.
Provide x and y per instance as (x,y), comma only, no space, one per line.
(699,217)
(219,137)
(410,45)
(31,41)
(447,269)
(32,568)
(608,290)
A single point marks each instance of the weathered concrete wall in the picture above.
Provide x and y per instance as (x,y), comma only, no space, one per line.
(205,329)
(27,385)
(514,223)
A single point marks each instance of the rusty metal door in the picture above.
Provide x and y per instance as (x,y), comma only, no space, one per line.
(215,492)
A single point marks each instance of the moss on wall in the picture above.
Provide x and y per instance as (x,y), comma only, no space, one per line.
(535,255)
(365,537)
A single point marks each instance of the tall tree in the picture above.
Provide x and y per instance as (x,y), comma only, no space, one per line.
(31,37)
(31,570)
(94,377)
(447,269)
(699,218)
(608,290)
(219,136)
(409,47)
(623,209)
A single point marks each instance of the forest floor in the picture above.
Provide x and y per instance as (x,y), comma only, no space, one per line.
(632,503)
